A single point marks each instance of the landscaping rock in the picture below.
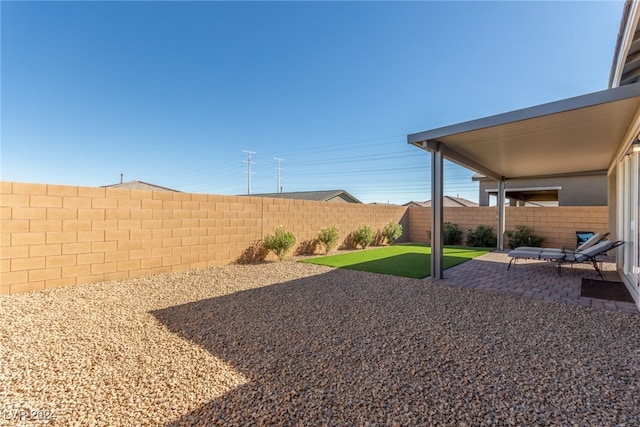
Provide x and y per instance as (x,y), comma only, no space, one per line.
(300,344)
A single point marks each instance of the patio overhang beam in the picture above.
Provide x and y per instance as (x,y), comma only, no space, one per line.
(566,175)
(570,136)
(460,159)
(563,138)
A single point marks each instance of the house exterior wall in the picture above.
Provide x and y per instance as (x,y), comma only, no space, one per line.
(583,191)
(340,199)
(624,170)
(627,213)
(575,191)
(53,235)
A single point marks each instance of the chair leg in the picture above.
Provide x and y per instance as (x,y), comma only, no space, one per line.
(595,266)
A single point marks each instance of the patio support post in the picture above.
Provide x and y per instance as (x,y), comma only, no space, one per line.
(501,214)
(436,211)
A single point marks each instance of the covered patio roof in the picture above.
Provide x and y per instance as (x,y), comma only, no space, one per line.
(565,137)
(562,138)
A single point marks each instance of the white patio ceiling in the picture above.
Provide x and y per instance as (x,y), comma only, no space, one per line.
(565,137)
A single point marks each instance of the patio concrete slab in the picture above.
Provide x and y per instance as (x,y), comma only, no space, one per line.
(533,279)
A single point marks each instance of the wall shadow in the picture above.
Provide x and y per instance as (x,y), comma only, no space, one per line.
(414,265)
(348,243)
(347,348)
(307,247)
(327,348)
(255,253)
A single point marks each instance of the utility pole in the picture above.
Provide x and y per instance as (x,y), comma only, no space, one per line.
(249,163)
(278,168)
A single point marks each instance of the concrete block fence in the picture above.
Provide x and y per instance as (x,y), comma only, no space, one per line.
(558,225)
(55,235)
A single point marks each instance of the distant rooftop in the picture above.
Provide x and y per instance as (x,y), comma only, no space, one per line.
(318,196)
(449,202)
(139,185)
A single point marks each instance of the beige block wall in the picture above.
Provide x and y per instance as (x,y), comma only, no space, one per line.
(556,224)
(53,235)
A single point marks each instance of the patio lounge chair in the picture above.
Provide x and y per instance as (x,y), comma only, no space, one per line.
(583,236)
(562,256)
(596,238)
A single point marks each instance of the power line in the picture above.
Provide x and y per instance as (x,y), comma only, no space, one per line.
(278,168)
(249,163)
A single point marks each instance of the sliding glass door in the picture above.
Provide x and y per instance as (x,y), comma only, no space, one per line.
(629,205)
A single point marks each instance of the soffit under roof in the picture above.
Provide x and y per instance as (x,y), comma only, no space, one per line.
(625,68)
(631,68)
(570,136)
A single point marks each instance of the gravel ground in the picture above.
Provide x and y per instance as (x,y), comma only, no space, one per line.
(300,344)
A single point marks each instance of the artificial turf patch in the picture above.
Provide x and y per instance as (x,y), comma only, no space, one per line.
(407,260)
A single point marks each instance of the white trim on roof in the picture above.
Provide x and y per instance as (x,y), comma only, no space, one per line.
(575,103)
(627,35)
(508,190)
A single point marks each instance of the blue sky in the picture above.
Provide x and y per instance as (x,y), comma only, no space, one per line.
(171,93)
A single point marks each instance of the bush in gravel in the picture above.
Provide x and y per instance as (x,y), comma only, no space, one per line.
(363,236)
(483,237)
(452,235)
(280,242)
(392,232)
(328,237)
(523,236)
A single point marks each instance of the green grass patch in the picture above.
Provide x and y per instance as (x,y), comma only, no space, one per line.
(407,260)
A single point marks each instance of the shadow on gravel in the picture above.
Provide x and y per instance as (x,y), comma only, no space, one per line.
(412,265)
(337,349)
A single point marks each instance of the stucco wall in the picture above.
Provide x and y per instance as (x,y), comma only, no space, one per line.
(575,191)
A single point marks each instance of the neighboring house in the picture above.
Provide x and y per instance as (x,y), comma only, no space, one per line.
(596,133)
(139,185)
(339,196)
(589,189)
(449,202)
(415,204)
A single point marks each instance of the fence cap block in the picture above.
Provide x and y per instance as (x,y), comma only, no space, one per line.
(6,187)
(31,189)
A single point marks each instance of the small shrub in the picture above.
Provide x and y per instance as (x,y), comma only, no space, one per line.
(452,234)
(523,236)
(363,236)
(483,237)
(280,242)
(392,232)
(328,237)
